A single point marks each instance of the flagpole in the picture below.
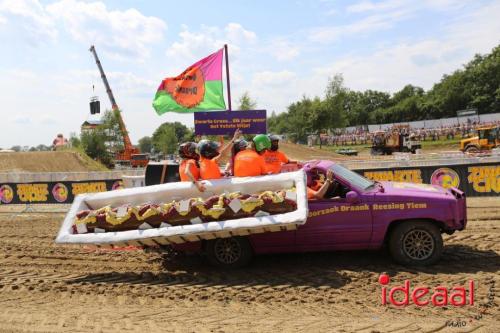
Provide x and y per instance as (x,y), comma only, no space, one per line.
(227,77)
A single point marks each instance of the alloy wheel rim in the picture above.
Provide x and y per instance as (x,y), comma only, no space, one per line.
(227,250)
(418,244)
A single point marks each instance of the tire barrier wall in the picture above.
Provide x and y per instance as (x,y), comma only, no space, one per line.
(475,179)
(53,192)
(28,177)
(480,179)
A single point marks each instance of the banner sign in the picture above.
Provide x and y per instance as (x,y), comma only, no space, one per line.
(226,122)
(474,179)
(53,192)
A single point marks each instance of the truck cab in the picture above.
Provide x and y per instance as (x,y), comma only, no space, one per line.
(139,160)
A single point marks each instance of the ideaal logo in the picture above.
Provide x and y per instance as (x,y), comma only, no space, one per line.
(401,296)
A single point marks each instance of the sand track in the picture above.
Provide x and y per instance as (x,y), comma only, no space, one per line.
(49,288)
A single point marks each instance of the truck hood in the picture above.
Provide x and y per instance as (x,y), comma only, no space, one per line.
(412,190)
(474,138)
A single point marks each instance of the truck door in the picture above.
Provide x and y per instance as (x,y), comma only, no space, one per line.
(335,223)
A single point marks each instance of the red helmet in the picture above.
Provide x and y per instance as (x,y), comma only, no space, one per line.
(187,150)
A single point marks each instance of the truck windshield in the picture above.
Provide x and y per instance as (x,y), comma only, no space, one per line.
(352,177)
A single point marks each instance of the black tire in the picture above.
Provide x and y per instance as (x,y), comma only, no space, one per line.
(416,243)
(375,151)
(233,252)
(472,149)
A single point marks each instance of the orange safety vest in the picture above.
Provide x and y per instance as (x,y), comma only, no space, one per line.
(209,169)
(249,163)
(274,160)
(193,168)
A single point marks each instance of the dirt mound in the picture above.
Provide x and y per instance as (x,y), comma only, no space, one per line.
(49,288)
(48,161)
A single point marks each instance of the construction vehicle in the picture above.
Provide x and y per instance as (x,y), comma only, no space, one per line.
(398,139)
(486,139)
(139,160)
(129,152)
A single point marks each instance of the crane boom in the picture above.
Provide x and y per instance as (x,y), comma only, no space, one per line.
(128,148)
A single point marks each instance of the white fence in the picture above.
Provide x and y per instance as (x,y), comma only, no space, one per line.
(436,123)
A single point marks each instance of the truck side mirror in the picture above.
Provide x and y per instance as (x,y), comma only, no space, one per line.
(352,197)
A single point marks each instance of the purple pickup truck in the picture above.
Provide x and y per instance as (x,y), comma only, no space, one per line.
(356,214)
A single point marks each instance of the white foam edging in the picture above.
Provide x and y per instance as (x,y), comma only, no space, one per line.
(182,190)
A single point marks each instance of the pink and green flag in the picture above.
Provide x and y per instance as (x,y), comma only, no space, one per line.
(198,88)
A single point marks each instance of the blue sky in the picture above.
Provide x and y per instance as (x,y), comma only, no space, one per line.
(278,52)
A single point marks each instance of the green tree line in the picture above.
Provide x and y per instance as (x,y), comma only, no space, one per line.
(476,85)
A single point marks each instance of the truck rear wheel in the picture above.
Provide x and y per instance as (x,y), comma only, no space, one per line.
(232,252)
(417,243)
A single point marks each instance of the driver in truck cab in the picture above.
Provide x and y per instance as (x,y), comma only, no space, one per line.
(317,188)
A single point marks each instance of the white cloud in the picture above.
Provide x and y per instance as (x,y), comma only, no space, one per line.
(30,17)
(381,15)
(421,62)
(46,119)
(368,24)
(365,6)
(194,45)
(269,78)
(331,12)
(122,34)
(237,34)
(272,90)
(387,5)
(22,120)
(283,49)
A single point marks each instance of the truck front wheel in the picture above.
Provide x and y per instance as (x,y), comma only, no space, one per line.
(232,252)
(472,149)
(416,243)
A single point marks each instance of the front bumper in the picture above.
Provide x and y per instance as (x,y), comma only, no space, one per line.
(460,211)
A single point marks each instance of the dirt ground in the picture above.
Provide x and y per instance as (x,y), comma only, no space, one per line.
(49,288)
(48,161)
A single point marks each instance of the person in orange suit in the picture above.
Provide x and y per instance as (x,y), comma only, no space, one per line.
(273,157)
(189,168)
(210,154)
(250,162)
